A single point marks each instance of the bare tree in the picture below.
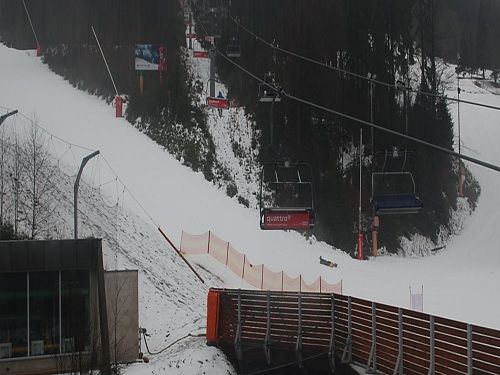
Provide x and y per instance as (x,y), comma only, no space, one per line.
(38,205)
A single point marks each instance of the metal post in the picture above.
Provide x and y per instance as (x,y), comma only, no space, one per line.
(298,345)
(105,62)
(360,184)
(237,337)
(469,350)
(190,31)
(77,184)
(28,338)
(372,359)
(31,24)
(267,341)
(398,369)
(347,353)
(211,54)
(4,117)
(331,349)
(432,342)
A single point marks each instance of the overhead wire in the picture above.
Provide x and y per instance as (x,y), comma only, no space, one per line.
(357,75)
(352,118)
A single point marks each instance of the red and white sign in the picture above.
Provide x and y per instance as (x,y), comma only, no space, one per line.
(219,103)
(200,54)
(286,220)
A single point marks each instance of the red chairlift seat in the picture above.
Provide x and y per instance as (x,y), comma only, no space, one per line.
(286,196)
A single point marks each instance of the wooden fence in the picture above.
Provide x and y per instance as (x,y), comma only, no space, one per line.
(385,339)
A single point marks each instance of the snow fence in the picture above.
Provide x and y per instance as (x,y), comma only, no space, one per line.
(257,275)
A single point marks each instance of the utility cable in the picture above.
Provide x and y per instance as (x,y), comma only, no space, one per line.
(144,334)
(360,121)
(347,72)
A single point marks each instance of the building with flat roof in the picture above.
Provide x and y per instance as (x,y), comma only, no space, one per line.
(53,296)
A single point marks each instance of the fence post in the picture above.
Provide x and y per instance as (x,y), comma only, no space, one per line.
(237,337)
(281,280)
(347,353)
(298,345)
(398,369)
(372,359)
(243,271)
(432,347)
(469,350)
(227,252)
(300,283)
(267,341)
(208,244)
(262,278)
(331,350)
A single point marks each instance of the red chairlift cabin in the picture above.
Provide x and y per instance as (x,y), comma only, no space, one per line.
(286,196)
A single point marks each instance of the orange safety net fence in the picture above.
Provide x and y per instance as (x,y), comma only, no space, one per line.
(257,275)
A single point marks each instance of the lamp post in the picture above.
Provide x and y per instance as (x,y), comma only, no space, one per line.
(77,184)
(7,115)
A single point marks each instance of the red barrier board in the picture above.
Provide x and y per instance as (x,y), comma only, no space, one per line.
(190,35)
(220,103)
(286,220)
(200,54)
(213,304)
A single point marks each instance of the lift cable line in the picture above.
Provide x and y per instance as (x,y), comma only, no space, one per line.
(360,121)
(344,71)
(31,24)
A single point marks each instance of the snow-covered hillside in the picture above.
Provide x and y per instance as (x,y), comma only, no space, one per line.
(460,281)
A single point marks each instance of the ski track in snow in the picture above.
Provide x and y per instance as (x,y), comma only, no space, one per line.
(460,282)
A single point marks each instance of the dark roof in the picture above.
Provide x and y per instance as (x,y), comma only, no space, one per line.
(48,255)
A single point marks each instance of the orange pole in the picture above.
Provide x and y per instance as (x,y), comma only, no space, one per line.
(180,254)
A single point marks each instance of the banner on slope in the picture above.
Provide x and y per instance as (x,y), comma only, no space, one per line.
(151,57)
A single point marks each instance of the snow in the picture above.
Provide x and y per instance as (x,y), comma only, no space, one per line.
(460,281)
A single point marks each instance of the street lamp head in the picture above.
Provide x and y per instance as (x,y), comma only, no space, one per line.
(4,117)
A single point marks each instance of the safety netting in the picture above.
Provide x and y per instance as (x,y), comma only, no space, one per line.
(257,275)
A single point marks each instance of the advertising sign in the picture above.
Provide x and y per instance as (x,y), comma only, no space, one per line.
(286,220)
(220,103)
(200,54)
(151,57)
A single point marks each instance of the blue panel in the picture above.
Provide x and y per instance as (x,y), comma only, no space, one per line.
(397,203)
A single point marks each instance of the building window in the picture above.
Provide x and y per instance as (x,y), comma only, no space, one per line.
(13,315)
(44,313)
(75,311)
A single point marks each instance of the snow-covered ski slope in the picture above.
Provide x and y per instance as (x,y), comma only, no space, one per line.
(460,281)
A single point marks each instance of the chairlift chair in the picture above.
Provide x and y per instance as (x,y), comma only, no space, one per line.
(267,94)
(286,196)
(233,48)
(394,189)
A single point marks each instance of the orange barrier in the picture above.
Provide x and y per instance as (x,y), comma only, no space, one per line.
(213,317)
(257,275)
